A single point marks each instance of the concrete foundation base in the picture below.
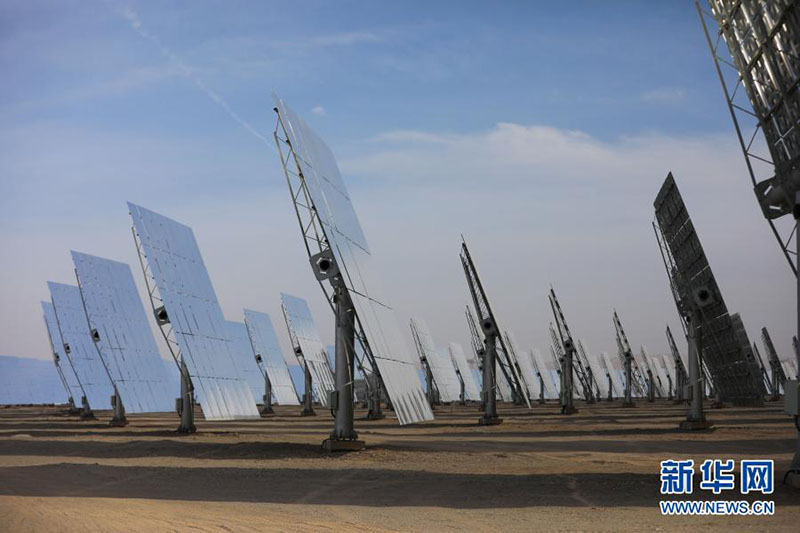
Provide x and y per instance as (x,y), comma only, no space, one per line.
(628,404)
(486,421)
(570,410)
(88,415)
(331,445)
(308,412)
(266,411)
(375,416)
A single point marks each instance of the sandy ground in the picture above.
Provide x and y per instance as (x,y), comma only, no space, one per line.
(539,470)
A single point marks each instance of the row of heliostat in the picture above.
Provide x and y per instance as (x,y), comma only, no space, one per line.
(102,342)
(99,328)
(187,310)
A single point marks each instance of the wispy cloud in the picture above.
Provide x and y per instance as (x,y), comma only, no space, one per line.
(319,111)
(136,24)
(133,79)
(345,39)
(665,95)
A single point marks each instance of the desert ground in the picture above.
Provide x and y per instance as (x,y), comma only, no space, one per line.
(597,470)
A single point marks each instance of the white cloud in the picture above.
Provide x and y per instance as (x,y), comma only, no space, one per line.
(319,111)
(537,205)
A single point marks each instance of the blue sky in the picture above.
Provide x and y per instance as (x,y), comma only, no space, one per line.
(555,121)
(607,68)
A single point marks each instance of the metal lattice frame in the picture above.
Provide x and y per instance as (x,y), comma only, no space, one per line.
(649,368)
(568,347)
(155,303)
(474,337)
(168,334)
(485,313)
(117,404)
(535,362)
(57,362)
(756,53)
(591,374)
(681,375)
(558,361)
(638,381)
(314,238)
(433,392)
(514,358)
(607,371)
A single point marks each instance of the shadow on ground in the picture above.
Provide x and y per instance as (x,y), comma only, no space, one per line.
(366,487)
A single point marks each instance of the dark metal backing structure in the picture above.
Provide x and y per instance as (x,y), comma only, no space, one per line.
(735,372)
(777,373)
(747,347)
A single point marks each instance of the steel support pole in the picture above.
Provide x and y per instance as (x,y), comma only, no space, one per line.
(541,388)
(795,468)
(489,417)
(119,419)
(344,436)
(680,386)
(375,411)
(628,383)
(696,418)
(669,385)
(429,385)
(267,409)
(776,382)
(651,389)
(308,397)
(86,410)
(482,359)
(73,409)
(567,404)
(610,388)
(462,395)
(187,402)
